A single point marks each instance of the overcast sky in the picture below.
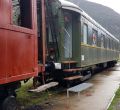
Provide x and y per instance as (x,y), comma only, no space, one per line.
(114,4)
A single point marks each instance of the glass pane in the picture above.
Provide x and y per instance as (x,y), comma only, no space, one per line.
(102,40)
(16,12)
(85,33)
(68,34)
(94,37)
(22,14)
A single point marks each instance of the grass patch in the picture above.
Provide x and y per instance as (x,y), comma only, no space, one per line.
(26,98)
(115,100)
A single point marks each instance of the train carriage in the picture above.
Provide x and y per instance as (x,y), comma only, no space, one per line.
(18,47)
(18,41)
(82,43)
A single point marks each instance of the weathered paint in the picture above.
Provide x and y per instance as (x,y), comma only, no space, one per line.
(18,46)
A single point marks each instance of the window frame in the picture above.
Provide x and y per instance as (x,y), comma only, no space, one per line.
(96,42)
(102,43)
(85,38)
(18,27)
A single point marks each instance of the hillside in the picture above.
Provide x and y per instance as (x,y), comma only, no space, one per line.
(107,17)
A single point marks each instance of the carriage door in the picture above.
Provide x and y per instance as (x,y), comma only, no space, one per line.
(67,35)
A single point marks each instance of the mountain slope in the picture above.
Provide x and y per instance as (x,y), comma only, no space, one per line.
(107,17)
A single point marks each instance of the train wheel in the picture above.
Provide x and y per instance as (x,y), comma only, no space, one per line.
(10,103)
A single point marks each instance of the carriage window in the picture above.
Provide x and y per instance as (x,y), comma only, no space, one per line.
(112,44)
(22,14)
(115,45)
(102,40)
(94,37)
(68,34)
(85,33)
(109,45)
(107,41)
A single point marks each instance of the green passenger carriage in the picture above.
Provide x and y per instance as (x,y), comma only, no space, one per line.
(76,43)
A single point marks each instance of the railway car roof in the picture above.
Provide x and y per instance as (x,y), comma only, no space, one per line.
(71,6)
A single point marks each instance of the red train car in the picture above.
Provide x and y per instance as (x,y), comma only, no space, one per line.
(18,44)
